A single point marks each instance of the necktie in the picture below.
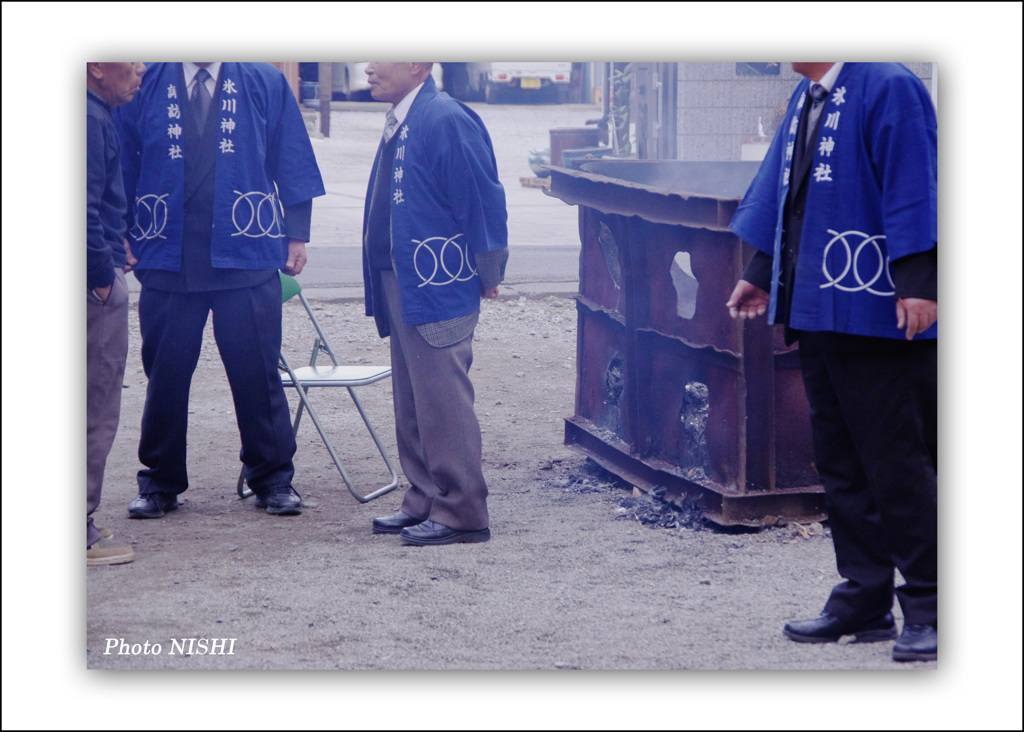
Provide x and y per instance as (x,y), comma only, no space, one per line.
(201,98)
(818,95)
(390,125)
(808,123)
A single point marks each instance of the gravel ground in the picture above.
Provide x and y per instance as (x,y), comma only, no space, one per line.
(580,573)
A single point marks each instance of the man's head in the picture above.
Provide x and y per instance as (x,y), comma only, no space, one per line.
(115,83)
(390,82)
(813,71)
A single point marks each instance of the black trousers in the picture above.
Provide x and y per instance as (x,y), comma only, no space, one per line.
(247,329)
(874,415)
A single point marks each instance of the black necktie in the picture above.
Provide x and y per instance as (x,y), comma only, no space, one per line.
(808,123)
(201,99)
(818,95)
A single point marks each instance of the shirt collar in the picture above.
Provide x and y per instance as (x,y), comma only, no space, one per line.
(402,108)
(191,70)
(830,76)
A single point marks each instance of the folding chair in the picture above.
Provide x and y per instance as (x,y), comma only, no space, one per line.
(306,377)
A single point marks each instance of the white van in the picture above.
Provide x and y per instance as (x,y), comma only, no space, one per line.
(493,81)
(349,79)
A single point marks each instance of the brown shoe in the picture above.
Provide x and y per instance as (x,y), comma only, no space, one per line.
(106,551)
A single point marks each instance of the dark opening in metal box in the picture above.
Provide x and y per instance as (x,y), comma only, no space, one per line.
(670,391)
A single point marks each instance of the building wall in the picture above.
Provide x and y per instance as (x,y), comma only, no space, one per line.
(718,108)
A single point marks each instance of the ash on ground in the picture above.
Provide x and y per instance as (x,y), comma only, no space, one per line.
(652,510)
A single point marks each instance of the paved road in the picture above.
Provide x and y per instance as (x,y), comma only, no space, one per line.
(553,267)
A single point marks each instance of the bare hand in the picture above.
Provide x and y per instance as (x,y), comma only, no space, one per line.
(296,257)
(916,315)
(747,301)
(491,294)
(102,292)
(132,261)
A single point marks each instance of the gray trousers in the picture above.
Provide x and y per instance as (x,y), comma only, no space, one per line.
(439,442)
(106,352)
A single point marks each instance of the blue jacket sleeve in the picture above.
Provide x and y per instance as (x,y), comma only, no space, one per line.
(291,162)
(903,145)
(467,170)
(756,218)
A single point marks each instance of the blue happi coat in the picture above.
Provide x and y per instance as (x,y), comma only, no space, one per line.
(446,205)
(872,199)
(264,161)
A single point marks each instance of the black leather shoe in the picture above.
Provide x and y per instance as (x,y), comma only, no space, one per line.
(917,643)
(827,628)
(152,505)
(431,533)
(282,502)
(394,523)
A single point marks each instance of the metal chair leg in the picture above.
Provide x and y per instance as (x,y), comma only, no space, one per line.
(242,491)
(304,403)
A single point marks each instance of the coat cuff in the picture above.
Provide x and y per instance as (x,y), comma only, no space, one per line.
(916,275)
(297,218)
(490,266)
(759,271)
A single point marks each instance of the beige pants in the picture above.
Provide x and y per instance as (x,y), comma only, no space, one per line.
(106,351)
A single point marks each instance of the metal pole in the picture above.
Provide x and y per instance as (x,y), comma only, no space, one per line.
(324,96)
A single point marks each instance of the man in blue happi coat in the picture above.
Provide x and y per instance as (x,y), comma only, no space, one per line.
(220,173)
(435,240)
(843,214)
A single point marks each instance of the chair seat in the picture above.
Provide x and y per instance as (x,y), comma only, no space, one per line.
(337,375)
(305,377)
